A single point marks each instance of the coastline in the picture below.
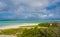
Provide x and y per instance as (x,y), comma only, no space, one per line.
(17,25)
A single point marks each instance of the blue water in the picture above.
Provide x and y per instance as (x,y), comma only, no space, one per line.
(5,23)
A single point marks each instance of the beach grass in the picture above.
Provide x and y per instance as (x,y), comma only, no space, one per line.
(40,30)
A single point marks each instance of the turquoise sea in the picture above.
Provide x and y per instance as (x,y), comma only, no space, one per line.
(5,23)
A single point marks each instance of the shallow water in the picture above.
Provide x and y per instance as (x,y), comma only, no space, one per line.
(5,23)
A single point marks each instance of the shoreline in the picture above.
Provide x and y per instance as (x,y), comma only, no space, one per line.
(17,26)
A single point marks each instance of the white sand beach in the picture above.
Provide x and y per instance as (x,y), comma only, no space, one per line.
(16,26)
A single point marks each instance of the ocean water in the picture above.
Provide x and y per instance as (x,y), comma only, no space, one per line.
(5,23)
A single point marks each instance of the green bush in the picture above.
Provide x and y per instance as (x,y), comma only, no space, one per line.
(35,32)
(54,24)
(39,32)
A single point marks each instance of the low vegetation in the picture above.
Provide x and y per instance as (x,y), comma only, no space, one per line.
(51,30)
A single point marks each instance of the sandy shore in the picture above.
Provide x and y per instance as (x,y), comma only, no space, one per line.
(15,26)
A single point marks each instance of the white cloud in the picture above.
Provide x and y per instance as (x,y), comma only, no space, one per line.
(2,5)
(52,2)
(16,2)
(36,7)
(33,6)
(38,3)
(30,8)
(27,16)
(19,11)
(46,16)
(51,15)
(42,16)
(32,3)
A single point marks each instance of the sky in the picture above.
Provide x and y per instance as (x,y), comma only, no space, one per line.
(30,9)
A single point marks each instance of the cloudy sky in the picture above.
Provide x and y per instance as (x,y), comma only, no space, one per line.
(30,9)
